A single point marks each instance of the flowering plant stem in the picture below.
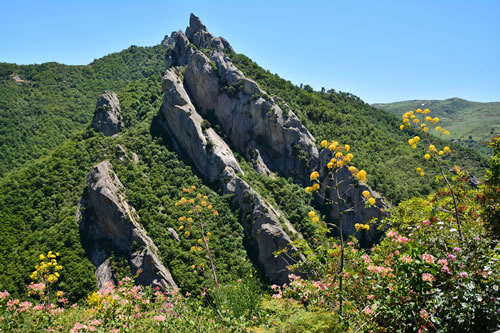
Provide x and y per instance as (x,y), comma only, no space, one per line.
(457,218)
(339,217)
(207,248)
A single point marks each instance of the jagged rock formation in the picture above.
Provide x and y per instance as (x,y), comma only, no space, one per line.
(261,225)
(107,118)
(107,222)
(213,158)
(202,82)
(210,154)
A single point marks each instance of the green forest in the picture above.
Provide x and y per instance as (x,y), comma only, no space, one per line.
(421,276)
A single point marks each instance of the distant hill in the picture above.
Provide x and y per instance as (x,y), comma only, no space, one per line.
(471,124)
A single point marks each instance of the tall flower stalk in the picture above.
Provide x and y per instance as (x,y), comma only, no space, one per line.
(420,120)
(334,196)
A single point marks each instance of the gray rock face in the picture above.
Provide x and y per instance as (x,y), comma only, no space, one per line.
(210,154)
(169,40)
(262,227)
(107,222)
(262,223)
(107,118)
(254,124)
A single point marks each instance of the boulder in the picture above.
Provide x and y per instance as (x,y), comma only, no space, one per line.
(107,118)
(107,223)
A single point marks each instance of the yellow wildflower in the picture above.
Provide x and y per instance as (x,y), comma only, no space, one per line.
(418,110)
(315,219)
(422,174)
(435,120)
(187,233)
(308,189)
(315,187)
(338,154)
(432,148)
(324,143)
(426,111)
(428,119)
(401,127)
(441,153)
(314,175)
(200,241)
(371,201)
(416,120)
(340,164)
(347,147)
(427,156)
(366,194)
(361,175)
(447,150)
(312,213)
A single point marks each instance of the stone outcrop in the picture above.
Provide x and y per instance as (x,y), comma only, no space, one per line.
(107,118)
(255,125)
(209,153)
(261,128)
(262,229)
(213,158)
(107,223)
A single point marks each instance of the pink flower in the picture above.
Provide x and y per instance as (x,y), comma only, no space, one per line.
(406,259)
(477,239)
(371,296)
(39,307)
(428,258)
(159,318)
(4,294)
(456,249)
(426,223)
(368,311)
(12,303)
(427,277)
(445,269)
(24,306)
(391,233)
(424,314)
(464,274)
(451,257)
(443,262)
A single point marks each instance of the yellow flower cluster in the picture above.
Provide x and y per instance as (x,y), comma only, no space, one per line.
(314,218)
(433,150)
(420,172)
(314,176)
(48,269)
(360,226)
(368,197)
(409,117)
(414,142)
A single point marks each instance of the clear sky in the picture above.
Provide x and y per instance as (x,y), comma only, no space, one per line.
(381,51)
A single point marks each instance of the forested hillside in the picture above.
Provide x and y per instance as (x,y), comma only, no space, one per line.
(42,105)
(471,124)
(381,146)
(212,157)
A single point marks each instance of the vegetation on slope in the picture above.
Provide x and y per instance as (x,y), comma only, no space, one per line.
(38,204)
(56,100)
(380,146)
(471,124)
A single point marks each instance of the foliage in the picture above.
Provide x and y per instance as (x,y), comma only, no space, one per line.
(489,195)
(472,124)
(379,145)
(125,308)
(54,100)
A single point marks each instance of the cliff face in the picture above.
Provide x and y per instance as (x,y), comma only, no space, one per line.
(107,223)
(200,83)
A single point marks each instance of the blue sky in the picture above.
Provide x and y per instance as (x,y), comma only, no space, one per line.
(381,51)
